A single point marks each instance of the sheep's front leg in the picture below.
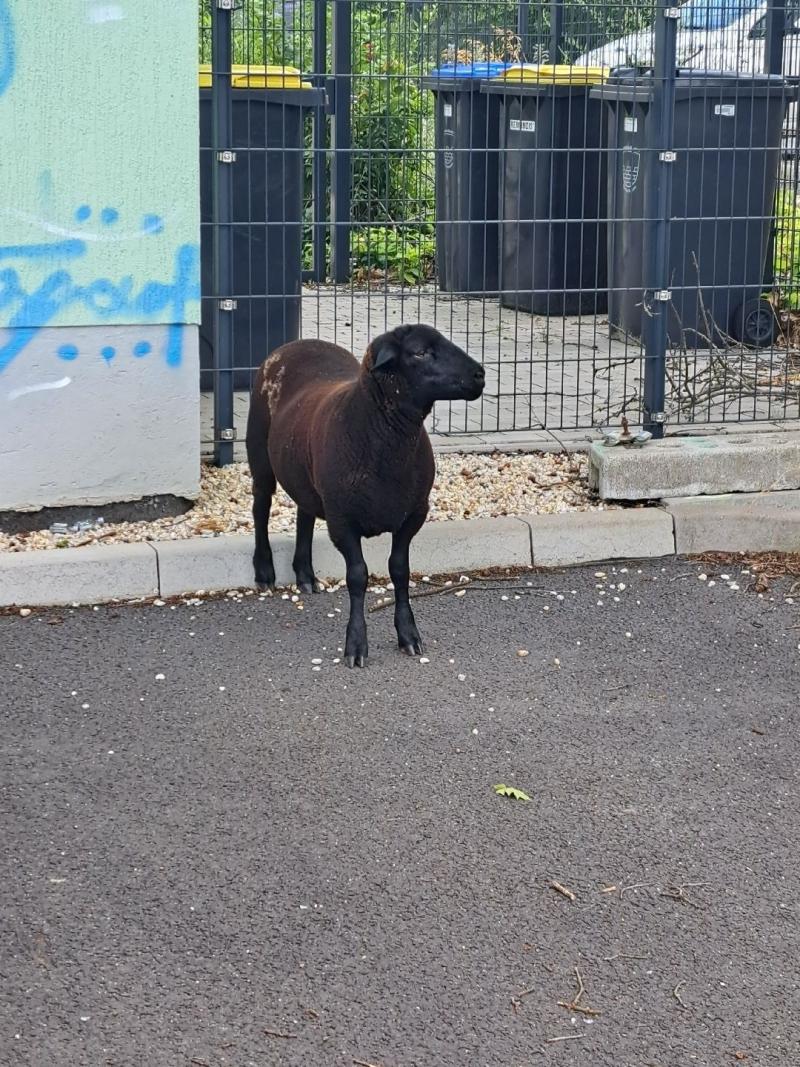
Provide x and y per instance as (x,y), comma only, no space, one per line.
(349,544)
(408,636)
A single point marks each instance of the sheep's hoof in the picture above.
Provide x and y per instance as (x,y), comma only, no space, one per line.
(356,661)
(412,649)
(310,587)
(266,587)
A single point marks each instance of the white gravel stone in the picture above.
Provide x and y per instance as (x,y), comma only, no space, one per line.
(467,486)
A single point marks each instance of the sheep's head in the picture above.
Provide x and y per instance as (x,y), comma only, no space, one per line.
(431,367)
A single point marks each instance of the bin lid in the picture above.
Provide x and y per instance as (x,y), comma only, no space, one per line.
(478,69)
(244,76)
(550,74)
(632,84)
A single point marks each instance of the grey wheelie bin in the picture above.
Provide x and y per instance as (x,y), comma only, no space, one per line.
(467,153)
(268,113)
(552,246)
(726,138)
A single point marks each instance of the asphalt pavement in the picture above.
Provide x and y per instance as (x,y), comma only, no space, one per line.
(221,848)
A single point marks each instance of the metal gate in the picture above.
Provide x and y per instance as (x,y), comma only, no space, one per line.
(615,234)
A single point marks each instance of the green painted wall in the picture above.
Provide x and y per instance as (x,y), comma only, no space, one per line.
(99,217)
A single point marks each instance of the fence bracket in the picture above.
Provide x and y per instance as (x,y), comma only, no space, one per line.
(672,12)
(226,5)
(228,434)
(668,157)
(226,157)
(228,305)
(663,295)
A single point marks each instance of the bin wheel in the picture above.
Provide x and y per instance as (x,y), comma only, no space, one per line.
(755,324)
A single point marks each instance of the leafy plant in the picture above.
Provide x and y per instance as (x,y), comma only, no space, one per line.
(787,248)
(511,792)
(403,255)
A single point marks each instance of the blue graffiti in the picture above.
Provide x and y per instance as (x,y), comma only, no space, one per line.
(31,311)
(8,48)
(72,248)
(152,224)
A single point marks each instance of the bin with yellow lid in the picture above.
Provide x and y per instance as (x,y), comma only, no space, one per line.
(552,189)
(270,106)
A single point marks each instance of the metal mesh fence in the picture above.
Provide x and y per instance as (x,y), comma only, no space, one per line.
(615,234)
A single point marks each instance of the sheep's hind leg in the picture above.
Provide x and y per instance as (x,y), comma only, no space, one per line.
(408,637)
(262,557)
(303,567)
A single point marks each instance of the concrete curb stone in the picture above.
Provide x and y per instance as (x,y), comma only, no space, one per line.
(90,575)
(226,562)
(570,538)
(97,574)
(761,522)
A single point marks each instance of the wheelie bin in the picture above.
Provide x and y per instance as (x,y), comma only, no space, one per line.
(269,108)
(726,143)
(552,248)
(467,153)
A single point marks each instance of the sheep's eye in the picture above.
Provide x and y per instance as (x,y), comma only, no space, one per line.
(426,353)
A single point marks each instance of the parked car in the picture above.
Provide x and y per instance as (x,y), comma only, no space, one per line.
(712,35)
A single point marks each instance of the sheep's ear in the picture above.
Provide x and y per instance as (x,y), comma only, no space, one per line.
(385,354)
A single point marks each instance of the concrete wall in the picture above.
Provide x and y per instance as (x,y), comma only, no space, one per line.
(99,251)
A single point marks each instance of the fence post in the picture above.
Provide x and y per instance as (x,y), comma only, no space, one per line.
(222,229)
(556,29)
(523,25)
(774,31)
(658,208)
(319,143)
(341,139)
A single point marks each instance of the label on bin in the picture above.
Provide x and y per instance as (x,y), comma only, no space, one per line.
(524,125)
(726,110)
(630,124)
(448,111)
(630,169)
(448,154)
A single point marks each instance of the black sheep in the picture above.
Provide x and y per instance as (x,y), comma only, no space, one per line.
(347,443)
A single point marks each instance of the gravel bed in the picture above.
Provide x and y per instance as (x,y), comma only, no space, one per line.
(467,486)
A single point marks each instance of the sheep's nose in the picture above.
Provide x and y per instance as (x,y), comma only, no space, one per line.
(480,374)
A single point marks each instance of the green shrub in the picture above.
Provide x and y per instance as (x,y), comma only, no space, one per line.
(405,255)
(787,248)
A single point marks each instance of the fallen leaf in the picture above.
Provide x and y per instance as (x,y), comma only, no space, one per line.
(509,791)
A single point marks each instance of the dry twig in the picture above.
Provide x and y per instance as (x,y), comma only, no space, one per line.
(566,1037)
(624,956)
(575,1003)
(516,1002)
(636,885)
(678,892)
(562,889)
(278,1033)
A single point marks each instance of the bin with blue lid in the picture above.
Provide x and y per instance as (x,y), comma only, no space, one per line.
(726,138)
(269,109)
(552,257)
(467,160)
